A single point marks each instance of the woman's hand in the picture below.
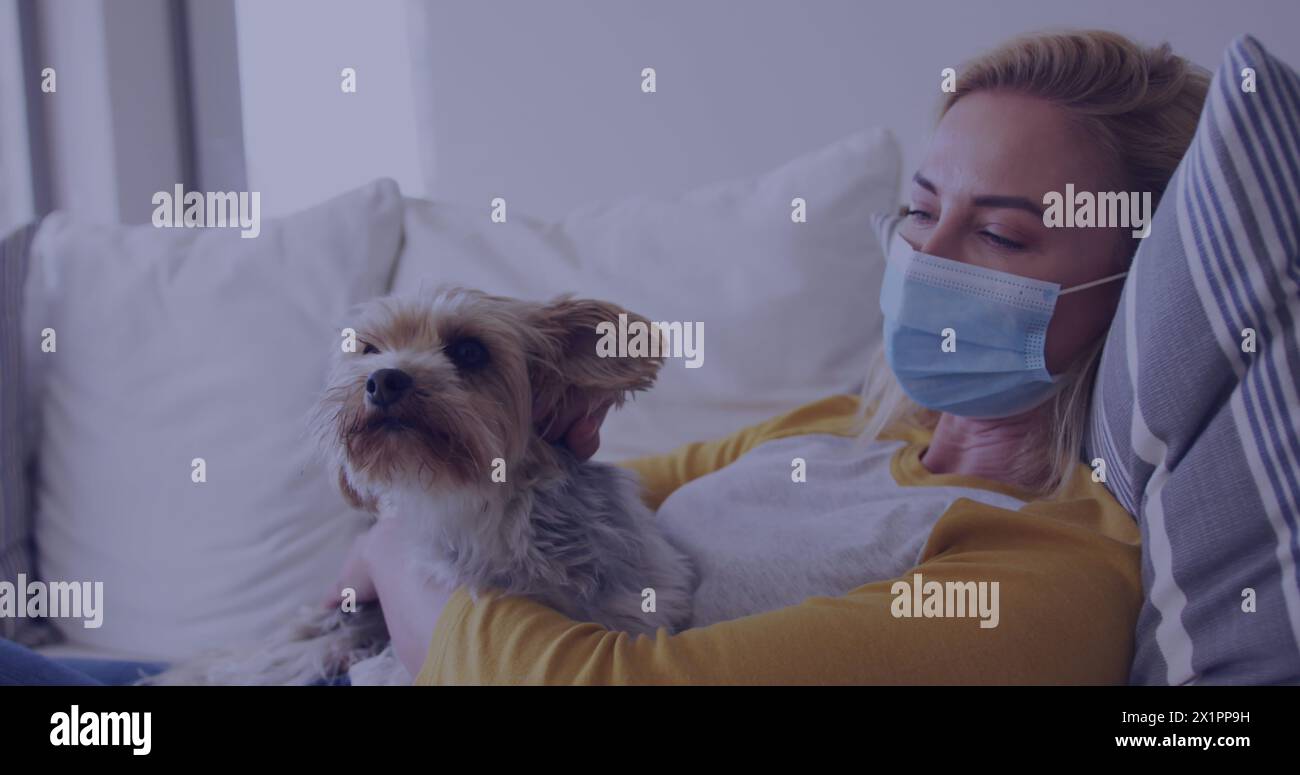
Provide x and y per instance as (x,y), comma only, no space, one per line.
(379,567)
(355,575)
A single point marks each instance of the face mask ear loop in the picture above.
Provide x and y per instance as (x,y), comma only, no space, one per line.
(1086,286)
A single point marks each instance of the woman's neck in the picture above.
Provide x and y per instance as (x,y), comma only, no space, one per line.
(988,449)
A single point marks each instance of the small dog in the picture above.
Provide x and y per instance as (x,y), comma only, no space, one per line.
(432,422)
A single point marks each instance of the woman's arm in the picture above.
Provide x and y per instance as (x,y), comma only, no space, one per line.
(1069,593)
(412,605)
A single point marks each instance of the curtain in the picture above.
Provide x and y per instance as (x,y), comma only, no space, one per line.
(16,191)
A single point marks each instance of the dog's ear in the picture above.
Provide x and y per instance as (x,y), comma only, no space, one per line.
(577,361)
(353,497)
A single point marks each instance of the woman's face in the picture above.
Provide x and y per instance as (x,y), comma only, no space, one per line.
(978,198)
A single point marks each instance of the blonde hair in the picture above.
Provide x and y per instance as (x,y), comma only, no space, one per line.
(1141,106)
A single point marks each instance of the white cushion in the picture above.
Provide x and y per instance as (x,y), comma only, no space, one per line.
(175,344)
(789,309)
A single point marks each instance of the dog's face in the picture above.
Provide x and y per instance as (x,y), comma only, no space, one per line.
(441,386)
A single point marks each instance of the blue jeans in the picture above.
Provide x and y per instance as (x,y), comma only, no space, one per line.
(20,666)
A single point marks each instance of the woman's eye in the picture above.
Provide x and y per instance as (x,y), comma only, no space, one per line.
(1002,242)
(918,215)
(467,353)
(369,349)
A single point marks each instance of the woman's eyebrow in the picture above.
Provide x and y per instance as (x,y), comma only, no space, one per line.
(987,200)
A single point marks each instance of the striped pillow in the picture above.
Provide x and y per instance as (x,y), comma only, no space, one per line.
(1200,430)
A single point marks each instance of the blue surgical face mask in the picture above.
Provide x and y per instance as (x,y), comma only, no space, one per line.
(967,340)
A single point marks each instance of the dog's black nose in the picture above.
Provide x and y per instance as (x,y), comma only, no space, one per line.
(387,386)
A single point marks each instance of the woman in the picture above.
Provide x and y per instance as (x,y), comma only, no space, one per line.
(977,485)
(994,455)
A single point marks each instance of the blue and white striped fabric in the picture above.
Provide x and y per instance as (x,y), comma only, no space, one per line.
(1201,435)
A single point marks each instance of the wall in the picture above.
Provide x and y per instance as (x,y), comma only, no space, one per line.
(540,101)
(304,139)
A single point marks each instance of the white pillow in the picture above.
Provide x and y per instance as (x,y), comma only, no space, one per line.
(175,344)
(789,309)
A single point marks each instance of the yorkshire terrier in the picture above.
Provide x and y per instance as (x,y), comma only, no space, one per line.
(433,421)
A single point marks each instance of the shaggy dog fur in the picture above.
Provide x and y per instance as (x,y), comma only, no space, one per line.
(442,392)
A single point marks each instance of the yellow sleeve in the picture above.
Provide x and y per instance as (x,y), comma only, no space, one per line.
(662,474)
(1069,594)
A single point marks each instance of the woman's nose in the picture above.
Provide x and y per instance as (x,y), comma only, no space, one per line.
(944,241)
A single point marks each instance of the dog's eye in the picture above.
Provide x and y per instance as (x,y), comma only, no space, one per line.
(369,349)
(467,353)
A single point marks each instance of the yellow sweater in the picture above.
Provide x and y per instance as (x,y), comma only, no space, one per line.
(1068,571)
